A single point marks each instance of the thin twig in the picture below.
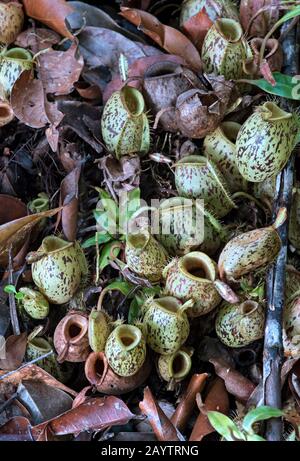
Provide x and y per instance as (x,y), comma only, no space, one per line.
(273,348)
(24,365)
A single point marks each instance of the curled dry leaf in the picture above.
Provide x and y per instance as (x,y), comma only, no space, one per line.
(87,91)
(59,70)
(52,13)
(216,400)
(124,174)
(160,423)
(69,200)
(30,104)
(172,40)
(15,348)
(95,414)
(187,403)
(236,384)
(14,233)
(197,26)
(34,372)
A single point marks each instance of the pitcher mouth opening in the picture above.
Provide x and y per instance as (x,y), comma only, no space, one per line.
(51,244)
(133,101)
(76,328)
(194,266)
(168,304)
(248,307)
(230,130)
(180,365)
(229,29)
(128,336)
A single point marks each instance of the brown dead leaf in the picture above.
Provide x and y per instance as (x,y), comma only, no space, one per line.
(17,429)
(30,104)
(197,27)
(59,70)
(93,415)
(87,91)
(52,13)
(164,430)
(34,372)
(37,39)
(69,200)
(236,384)
(172,40)
(187,402)
(14,233)
(15,348)
(216,400)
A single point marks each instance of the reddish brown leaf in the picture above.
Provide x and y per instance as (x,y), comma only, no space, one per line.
(52,13)
(15,348)
(197,27)
(37,38)
(160,423)
(69,200)
(188,401)
(59,70)
(216,400)
(87,91)
(14,233)
(172,40)
(93,415)
(236,384)
(37,374)
(16,429)
(266,72)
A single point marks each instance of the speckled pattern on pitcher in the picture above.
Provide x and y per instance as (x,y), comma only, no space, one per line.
(221,150)
(201,291)
(264,145)
(11,21)
(219,8)
(125,362)
(166,331)
(147,262)
(291,328)
(247,252)
(223,57)
(124,132)
(197,177)
(236,329)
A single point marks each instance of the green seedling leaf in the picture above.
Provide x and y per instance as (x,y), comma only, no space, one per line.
(259,414)
(107,252)
(123,67)
(19,295)
(119,285)
(10,289)
(97,238)
(225,426)
(286,86)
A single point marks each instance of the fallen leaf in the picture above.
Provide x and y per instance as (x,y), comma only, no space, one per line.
(69,156)
(172,40)
(95,414)
(59,70)
(69,201)
(14,233)
(187,402)
(236,384)
(52,13)
(15,348)
(16,429)
(41,38)
(84,120)
(35,373)
(164,430)
(216,400)
(44,402)
(124,174)
(30,104)
(96,17)
(101,48)
(87,91)
(197,27)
